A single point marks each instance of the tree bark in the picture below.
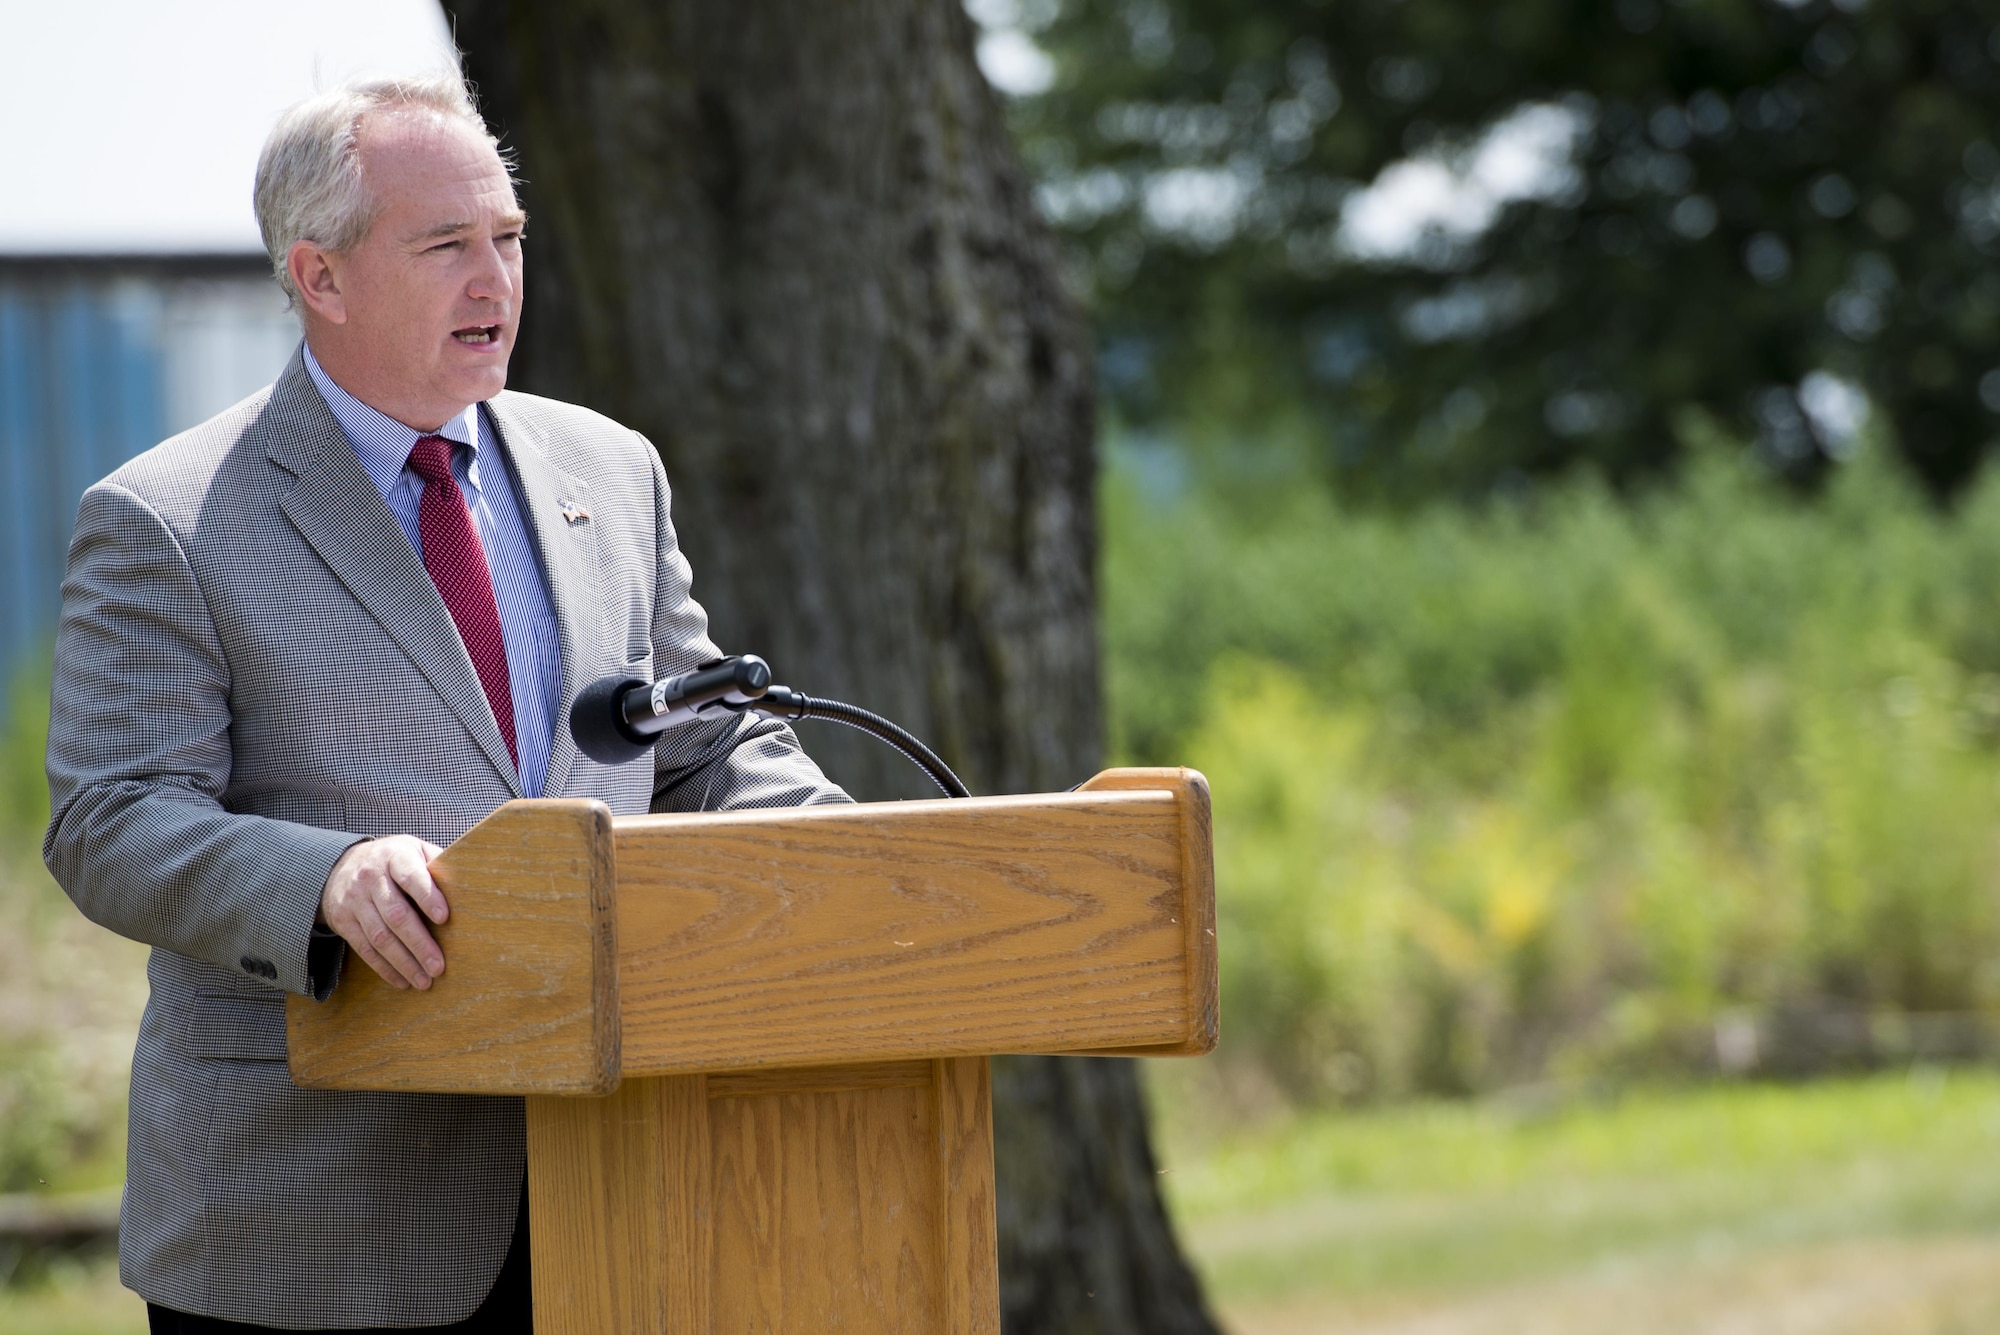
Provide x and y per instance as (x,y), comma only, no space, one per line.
(793,245)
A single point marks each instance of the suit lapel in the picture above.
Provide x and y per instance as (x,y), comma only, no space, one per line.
(341,515)
(557,508)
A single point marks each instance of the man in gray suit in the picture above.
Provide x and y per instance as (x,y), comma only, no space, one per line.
(303,646)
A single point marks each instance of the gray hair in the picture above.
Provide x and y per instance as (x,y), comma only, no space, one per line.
(309,185)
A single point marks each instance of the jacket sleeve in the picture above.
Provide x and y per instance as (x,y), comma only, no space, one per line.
(737,763)
(139,758)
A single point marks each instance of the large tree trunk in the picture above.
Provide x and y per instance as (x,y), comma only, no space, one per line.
(792,244)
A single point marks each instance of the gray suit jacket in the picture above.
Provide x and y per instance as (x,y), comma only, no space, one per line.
(253,670)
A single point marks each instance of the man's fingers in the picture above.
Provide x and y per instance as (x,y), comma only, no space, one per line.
(413,875)
(377,898)
(407,927)
(383,937)
(364,931)
(359,945)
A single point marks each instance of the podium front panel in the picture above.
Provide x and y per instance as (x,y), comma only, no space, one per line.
(778,1202)
(844,934)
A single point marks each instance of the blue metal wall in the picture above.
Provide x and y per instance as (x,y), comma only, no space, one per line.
(90,353)
(80,393)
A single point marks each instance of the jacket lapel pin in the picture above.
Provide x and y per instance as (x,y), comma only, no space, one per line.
(574,513)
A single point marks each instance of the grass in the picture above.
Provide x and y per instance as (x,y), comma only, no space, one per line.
(1447,1211)
(73,1300)
(1860,1206)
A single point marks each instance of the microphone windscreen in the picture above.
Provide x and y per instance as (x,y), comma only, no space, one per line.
(595,723)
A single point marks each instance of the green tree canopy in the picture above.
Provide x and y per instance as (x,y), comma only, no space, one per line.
(1631,209)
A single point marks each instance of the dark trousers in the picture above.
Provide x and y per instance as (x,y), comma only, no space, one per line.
(506,1311)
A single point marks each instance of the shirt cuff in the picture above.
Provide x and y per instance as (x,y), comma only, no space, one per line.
(325,953)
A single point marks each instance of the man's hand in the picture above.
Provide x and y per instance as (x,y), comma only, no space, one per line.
(371,900)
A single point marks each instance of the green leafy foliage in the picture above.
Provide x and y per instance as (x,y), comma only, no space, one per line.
(1574,787)
(1744,206)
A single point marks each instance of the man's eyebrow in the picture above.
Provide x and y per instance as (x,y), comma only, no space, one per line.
(514,221)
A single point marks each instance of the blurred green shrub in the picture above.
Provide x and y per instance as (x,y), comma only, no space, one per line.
(57,1112)
(43,1128)
(24,735)
(1559,788)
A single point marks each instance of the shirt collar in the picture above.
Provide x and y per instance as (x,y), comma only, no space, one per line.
(383,443)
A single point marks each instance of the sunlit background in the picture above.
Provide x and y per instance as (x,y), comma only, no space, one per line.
(1546,488)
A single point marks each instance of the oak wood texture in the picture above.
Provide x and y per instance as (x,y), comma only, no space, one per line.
(971,1261)
(1061,922)
(800,1004)
(781,1201)
(620,1210)
(1197,845)
(529,999)
(838,935)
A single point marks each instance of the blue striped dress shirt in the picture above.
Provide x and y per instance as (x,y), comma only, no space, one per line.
(520,585)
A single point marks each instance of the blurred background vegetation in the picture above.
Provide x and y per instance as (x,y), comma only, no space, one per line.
(1444,247)
(1585,787)
(1547,491)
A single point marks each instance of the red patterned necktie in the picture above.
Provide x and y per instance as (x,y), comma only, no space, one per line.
(457,565)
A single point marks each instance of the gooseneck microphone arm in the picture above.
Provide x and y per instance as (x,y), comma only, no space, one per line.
(618,719)
(785,702)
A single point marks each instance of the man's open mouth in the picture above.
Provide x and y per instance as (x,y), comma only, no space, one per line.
(479,333)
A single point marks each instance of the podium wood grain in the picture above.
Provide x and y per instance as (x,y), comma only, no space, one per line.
(1053,923)
(1197,885)
(619,1203)
(800,1004)
(779,1202)
(1063,922)
(529,998)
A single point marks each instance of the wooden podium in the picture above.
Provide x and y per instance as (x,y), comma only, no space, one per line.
(754,1044)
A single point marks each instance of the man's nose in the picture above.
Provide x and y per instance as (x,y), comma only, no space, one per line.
(491,279)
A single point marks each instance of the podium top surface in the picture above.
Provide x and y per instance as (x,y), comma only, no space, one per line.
(584,947)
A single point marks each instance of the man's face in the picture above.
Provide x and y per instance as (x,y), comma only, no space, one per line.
(421,315)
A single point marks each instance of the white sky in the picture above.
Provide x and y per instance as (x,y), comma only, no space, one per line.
(134,125)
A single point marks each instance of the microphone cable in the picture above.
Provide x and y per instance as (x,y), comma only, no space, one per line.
(618,719)
(786,703)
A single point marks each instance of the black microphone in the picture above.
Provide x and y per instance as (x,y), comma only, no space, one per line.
(617,719)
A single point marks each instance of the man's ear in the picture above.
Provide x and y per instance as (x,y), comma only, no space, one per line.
(315,273)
